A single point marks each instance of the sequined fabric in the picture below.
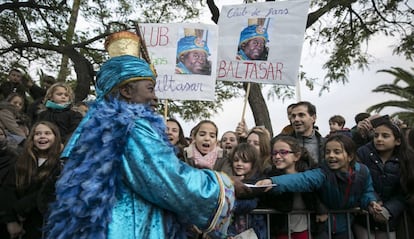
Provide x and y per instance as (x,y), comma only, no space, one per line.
(135,177)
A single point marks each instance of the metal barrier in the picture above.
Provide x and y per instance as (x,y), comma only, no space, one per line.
(355,211)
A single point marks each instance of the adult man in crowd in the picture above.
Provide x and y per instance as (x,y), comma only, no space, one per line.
(302,118)
(18,83)
(13,84)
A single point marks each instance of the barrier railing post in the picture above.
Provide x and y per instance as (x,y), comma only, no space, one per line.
(332,214)
(348,224)
(268,226)
(406,225)
(329,225)
(368,225)
(289,236)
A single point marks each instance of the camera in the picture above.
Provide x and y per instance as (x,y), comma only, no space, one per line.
(377,121)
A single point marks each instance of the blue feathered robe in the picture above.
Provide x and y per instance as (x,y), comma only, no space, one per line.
(123,180)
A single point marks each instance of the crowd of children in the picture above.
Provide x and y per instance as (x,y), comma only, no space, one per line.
(30,149)
(376,177)
(369,166)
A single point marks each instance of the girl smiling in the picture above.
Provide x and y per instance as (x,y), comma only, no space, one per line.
(341,183)
(37,170)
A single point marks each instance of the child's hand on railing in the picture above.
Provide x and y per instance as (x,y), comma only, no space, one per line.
(374,207)
(321,217)
(379,213)
(383,216)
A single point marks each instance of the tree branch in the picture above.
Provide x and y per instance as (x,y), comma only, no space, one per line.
(361,20)
(17,5)
(87,42)
(23,22)
(377,11)
(49,28)
(314,16)
(215,13)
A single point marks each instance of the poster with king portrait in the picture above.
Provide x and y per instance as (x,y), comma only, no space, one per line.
(185,58)
(261,42)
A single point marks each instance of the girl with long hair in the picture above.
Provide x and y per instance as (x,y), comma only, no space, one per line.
(37,170)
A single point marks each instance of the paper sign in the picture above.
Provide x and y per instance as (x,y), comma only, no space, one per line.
(261,42)
(185,58)
(248,234)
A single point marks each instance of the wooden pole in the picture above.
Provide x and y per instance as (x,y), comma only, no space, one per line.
(246,98)
(165,109)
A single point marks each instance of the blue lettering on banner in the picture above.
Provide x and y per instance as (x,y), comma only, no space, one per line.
(244,12)
(168,84)
(273,12)
(236,12)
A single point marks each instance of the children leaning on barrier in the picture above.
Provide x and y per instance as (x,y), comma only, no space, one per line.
(340,181)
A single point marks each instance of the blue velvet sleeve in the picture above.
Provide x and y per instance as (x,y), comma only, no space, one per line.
(369,192)
(152,170)
(307,181)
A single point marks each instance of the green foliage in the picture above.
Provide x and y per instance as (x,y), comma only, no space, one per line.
(169,11)
(403,88)
(281,92)
(345,30)
(33,33)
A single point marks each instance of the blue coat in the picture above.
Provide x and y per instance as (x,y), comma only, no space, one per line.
(332,187)
(123,180)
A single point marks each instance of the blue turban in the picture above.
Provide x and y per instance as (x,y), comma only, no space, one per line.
(118,70)
(189,43)
(253,31)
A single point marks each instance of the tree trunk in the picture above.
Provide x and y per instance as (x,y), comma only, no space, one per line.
(256,100)
(84,73)
(258,106)
(64,71)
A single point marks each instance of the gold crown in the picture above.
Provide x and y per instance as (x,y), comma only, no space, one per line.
(189,32)
(255,21)
(122,43)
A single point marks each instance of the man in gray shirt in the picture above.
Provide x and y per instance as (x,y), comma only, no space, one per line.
(302,119)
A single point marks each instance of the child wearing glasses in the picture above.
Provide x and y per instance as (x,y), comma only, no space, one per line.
(288,157)
(341,183)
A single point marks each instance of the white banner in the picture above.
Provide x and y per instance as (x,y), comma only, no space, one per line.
(185,57)
(261,42)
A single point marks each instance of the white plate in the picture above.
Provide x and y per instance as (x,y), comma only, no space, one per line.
(260,186)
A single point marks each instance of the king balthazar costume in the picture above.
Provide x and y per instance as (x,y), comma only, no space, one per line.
(122,178)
